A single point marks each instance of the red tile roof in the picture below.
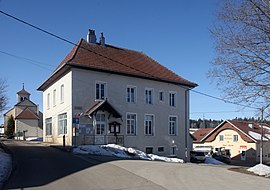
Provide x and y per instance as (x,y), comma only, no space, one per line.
(201,133)
(247,133)
(27,114)
(117,60)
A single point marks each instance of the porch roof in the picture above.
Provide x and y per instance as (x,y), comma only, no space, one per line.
(103,105)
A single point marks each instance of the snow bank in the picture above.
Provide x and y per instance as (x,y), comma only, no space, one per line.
(165,159)
(120,151)
(260,169)
(210,160)
(34,139)
(5,166)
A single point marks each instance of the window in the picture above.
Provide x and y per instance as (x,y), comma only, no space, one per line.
(172,99)
(172,125)
(172,150)
(62,124)
(62,93)
(48,123)
(160,149)
(131,124)
(100,91)
(149,150)
(221,138)
(131,94)
(235,138)
(161,96)
(149,124)
(54,97)
(48,101)
(149,96)
(100,124)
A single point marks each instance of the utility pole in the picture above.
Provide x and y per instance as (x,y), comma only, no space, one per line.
(261,143)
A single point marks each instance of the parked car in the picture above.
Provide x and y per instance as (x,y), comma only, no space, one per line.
(197,156)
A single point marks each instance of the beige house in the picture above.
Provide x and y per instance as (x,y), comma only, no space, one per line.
(28,119)
(103,94)
(240,137)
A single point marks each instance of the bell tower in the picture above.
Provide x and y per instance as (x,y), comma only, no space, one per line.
(22,95)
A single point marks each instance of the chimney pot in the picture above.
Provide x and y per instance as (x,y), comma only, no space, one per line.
(91,36)
(102,39)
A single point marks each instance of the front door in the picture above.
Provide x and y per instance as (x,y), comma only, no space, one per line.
(243,150)
(100,128)
(243,155)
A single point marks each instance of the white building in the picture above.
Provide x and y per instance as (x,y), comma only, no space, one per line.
(115,95)
(28,119)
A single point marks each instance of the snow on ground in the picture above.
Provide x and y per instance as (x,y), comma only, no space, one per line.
(5,166)
(260,169)
(210,160)
(120,151)
(34,139)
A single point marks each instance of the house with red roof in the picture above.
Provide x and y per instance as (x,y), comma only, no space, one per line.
(243,139)
(28,118)
(103,94)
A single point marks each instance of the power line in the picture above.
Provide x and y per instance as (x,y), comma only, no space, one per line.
(72,43)
(202,112)
(37,63)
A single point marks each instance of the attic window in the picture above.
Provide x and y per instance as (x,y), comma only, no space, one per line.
(203,134)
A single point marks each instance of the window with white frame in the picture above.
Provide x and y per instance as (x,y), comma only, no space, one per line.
(62,93)
(149,124)
(62,124)
(48,101)
(172,96)
(221,138)
(235,138)
(161,96)
(149,96)
(54,97)
(48,125)
(131,94)
(100,123)
(100,90)
(172,125)
(131,123)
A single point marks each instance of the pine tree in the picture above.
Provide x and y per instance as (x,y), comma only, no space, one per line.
(10,126)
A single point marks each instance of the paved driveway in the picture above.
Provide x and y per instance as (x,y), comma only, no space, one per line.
(38,166)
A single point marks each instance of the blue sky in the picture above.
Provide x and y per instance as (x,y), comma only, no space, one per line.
(175,33)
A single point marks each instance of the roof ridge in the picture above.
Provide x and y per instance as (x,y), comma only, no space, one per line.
(27,109)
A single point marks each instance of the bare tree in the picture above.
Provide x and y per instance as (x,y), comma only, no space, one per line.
(3,96)
(241,67)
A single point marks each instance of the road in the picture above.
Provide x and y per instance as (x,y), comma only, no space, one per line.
(38,166)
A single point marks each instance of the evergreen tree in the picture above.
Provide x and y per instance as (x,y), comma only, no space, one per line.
(10,127)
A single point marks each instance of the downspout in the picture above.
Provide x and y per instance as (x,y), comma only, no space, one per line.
(186,123)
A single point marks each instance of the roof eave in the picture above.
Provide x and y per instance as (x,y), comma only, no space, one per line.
(190,84)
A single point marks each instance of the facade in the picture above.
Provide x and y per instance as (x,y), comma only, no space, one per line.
(241,138)
(103,94)
(28,119)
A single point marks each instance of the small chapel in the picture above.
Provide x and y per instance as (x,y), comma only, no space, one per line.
(28,118)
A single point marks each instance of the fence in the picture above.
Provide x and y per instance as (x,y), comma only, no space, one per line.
(101,139)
